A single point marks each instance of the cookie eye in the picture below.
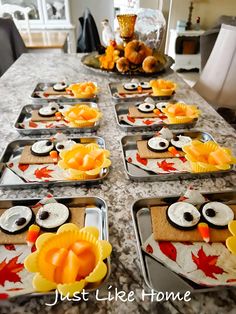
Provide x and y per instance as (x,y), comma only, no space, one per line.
(60,87)
(182,215)
(130,86)
(161,105)
(16,219)
(158,144)
(42,148)
(180,141)
(48,111)
(64,108)
(217,214)
(64,145)
(145,85)
(52,216)
(146,107)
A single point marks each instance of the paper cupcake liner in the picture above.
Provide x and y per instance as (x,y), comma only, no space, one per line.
(178,120)
(66,240)
(81,124)
(198,167)
(162,92)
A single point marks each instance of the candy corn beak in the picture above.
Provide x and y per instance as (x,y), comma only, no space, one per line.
(173,151)
(54,155)
(32,235)
(204,231)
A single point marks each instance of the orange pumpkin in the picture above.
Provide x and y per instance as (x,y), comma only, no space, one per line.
(136,51)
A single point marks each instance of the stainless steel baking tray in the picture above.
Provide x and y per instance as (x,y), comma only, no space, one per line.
(157,276)
(96,215)
(129,142)
(8,179)
(123,108)
(113,90)
(42,86)
(26,111)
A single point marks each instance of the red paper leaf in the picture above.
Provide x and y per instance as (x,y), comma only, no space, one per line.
(32,124)
(148,122)
(183,159)
(9,271)
(149,249)
(142,161)
(3,296)
(162,117)
(131,119)
(187,243)
(23,167)
(207,264)
(43,173)
(49,126)
(10,247)
(166,166)
(168,249)
(129,159)
(231,280)
(33,249)
(14,289)
(10,165)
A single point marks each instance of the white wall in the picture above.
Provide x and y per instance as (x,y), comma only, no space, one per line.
(100,10)
(208,10)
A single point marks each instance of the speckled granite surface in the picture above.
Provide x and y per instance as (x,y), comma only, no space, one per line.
(119,193)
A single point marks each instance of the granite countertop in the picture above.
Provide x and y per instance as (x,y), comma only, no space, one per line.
(16,85)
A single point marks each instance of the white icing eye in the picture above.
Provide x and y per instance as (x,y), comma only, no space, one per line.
(217,214)
(42,148)
(64,145)
(161,105)
(183,215)
(60,87)
(158,144)
(145,85)
(48,111)
(130,86)
(180,141)
(63,108)
(52,215)
(16,219)
(146,107)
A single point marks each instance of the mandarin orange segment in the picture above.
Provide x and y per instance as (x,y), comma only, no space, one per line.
(71,268)
(220,156)
(87,262)
(80,247)
(88,163)
(58,257)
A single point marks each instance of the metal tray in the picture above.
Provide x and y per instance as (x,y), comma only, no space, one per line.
(43,86)
(157,276)
(129,142)
(123,108)
(8,179)
(96,215)
(26,111)
(113,90)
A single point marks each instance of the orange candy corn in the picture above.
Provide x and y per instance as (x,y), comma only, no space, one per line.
(173,151)
(58,115)
(204,231)
(54,155)
(157,112)
(140,89)
(32,235)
